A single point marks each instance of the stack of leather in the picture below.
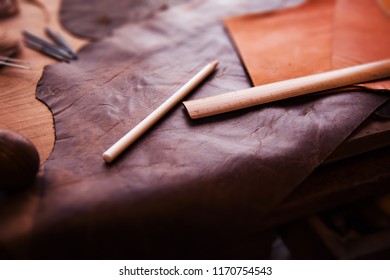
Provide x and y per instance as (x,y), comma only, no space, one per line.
(315,37)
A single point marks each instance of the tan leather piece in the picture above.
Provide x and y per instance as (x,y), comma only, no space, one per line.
(385,6)
(314,37)
(361,35)
(285,44)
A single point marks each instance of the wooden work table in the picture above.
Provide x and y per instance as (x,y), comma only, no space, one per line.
(20,110)
(23,113)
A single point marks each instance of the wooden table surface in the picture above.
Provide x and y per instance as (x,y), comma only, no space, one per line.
(23,113)
(20,110)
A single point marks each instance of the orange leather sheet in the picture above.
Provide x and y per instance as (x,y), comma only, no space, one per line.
(317,36)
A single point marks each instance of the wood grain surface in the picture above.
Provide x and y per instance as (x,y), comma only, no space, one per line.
(184,181)
(20,110)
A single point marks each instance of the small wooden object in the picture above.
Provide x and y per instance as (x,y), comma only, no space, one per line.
(157,114)
(8,8)
(19,161)
(236,100)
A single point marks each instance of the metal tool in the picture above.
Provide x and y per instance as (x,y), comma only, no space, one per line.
(60,41)
(44,50)
(34,42)
(14,62)
(245,98)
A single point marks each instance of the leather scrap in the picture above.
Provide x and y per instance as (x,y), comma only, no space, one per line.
(285,44)
(96,19)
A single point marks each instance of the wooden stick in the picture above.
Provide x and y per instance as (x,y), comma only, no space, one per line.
(286,89)
(157,114)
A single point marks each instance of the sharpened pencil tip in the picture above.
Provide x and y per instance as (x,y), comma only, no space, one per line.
(215,63)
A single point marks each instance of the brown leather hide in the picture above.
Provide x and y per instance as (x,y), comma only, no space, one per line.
(186,188)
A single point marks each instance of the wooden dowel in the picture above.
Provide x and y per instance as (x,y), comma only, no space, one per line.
(157,114)
(286,89)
